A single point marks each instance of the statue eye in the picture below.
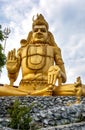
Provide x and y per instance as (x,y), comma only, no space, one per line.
(35,30)
(39,30)
(43,30)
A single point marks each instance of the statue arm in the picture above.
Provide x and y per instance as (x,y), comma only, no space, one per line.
(13,65)
(59,62)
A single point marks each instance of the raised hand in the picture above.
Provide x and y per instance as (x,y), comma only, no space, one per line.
(12,61)
(54,73)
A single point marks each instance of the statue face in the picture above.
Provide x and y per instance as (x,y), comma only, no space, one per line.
(40,33)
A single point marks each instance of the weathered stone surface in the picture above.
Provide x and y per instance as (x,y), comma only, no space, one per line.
(47,111)
(73,126)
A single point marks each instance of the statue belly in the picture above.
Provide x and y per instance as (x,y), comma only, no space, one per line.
(36,61)
(36,74)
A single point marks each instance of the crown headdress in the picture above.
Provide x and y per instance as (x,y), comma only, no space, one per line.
(39,21)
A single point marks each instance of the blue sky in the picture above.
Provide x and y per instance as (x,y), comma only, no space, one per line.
(66,20)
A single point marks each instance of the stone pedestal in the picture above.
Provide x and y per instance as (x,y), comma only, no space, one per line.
(48,111)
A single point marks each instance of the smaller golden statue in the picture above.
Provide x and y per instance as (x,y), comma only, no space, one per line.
(41,64)
(78,89)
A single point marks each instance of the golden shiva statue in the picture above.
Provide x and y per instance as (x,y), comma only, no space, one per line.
(41,63)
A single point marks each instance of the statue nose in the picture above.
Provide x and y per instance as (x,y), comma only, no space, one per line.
(39,33)
(39,30)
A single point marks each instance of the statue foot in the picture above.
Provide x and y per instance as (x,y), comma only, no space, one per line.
(44,92)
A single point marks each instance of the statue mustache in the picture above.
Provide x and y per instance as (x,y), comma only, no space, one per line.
(40,35)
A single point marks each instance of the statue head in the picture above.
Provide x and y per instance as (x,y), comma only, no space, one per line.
(40,33)
(39,29)
(40,21)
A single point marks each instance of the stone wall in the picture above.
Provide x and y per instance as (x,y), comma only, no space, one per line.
(51,113)
(73,126)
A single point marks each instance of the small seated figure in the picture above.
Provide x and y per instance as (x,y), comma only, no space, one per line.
(78,89)
(41,64)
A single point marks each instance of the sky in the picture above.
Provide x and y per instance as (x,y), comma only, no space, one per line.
(66,19)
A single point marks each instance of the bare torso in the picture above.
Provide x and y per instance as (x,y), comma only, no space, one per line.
(36,60)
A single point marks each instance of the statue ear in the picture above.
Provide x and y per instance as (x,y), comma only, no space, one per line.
(23,42)
(29,37)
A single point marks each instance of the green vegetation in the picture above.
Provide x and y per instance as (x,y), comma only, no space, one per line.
(2,55)
(20,117)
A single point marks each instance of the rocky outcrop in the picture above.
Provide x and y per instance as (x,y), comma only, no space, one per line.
(47,111)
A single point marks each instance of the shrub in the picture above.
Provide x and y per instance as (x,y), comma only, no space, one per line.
(20,116)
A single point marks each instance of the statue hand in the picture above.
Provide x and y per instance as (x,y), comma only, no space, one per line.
(12,61)
(54,72)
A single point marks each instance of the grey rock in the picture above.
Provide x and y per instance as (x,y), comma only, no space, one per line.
(49,111)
